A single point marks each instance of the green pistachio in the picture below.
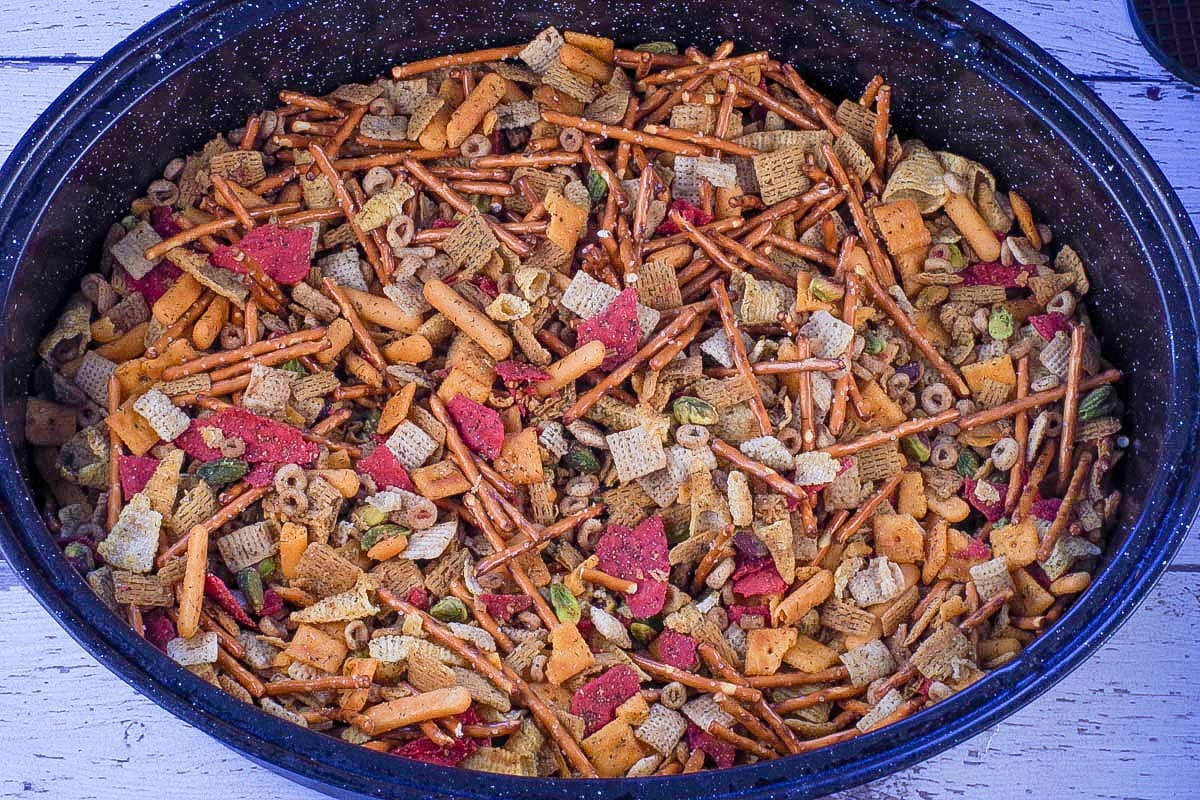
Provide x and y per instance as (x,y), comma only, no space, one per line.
(266,567)
(596,185)
(641,632)
(368,517)
(581,459)
(377,533)
(874,345)
(1097,403)
(825,289)
(915,448)
(449,609)
(1000,324)
(693,411)
(566,607)
(295,367)
(955,257)
(222,471)
(664,48)
(250,582)
(968,463)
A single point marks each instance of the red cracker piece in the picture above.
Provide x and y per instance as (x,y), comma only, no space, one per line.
(991,510)
(135,473)
(1047,325)
(693,214)
(993,274)
(1046,508)
(597,700)
(976,550)
(272,603)
(639,555)
(506,606)
(737,612)
(216,590)
(722,753)
(159,629)
(281,252)
(616,327)
(262,474)
(442,222)
(758,577)
(385,469)
(487,286)
(431,753)
(266,439)
(163,222)
(674,648)
(419,597)
(153,284)
(480,427)
(520,372)
(192,443)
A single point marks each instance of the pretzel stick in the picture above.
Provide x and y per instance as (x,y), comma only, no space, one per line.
(868,508)
(520,577)
(703,140)
(189,235)
(503,677)
(770,477)
(365,342)
(755,259)
(740,359)
(1037,474)
(1067,507)
(715,662)
(816,698)
(191,595)
(421,707)
(460,204)
(768,101)
(208,362)
(883,108)
(1070,414)
(618,375)
(927,348)
(1021,435)
(549,533)
(480,612)
(345,129)
(805,251)
(879,260)
(114,455)
(291,98)
(330,683)
(176,329)
(719,65)
(1006,410)
(346,203)
(456,60)
(247,679)
(677,345)
(270,359)
(717,551)
(786,679)
(227,198)
(808,435)
(691,679)
(620,133)
(894,434)
(750,722)
(722,733)
(841,391)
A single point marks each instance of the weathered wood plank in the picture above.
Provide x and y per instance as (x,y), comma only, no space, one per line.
(1069,30)
(1124,725)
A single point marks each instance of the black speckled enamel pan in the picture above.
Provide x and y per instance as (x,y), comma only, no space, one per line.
(963,80)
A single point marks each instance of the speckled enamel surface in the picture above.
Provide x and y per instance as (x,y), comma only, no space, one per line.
(960,81)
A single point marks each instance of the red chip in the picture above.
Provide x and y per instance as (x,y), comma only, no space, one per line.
(722,753)
(1047,325)
(262,474)
(757,576)
(597,700)
(266,440)
(419,597)
(639,555)
(385,469)
(693,214)
(281,252)
(135,473)
(272,603)
(432,753)
(1046,508)
(736,613)
(616,327)
(159,629)
(480,427)
(506,606)
(674,648)
(154,284)
(162,219)
(993,274)
(487,286)
(975,550)
(520,372)
(216,590)
(991,510)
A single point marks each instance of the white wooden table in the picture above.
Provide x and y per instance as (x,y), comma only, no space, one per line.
(1124,725)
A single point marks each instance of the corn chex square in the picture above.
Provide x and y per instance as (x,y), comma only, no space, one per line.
(636,452)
